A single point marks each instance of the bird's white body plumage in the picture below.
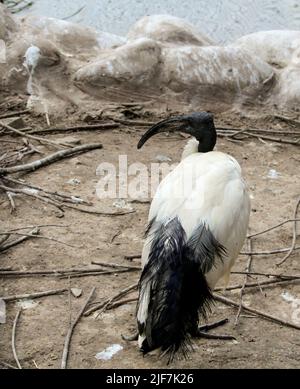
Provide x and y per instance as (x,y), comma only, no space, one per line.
(204,188)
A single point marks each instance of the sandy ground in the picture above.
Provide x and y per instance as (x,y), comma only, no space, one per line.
(42,328)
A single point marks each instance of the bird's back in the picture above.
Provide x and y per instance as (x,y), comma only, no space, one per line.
(206,188)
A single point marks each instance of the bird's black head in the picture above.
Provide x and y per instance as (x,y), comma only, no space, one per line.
(198,124)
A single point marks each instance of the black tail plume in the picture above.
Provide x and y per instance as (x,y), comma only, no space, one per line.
(174,279)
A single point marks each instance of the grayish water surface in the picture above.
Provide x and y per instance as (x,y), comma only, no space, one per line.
(222,20)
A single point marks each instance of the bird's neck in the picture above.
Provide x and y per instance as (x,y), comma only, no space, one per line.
(208,140)
(207,143)
(190,148)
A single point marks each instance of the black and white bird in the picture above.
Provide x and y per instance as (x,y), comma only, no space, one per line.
(198,221)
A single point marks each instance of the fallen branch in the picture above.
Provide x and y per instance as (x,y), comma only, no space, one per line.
(248,268)
(95,212)
(264,315)
(287,276)
(115,265)
(8,365)
(12,114)
(61,196)
(24,134)
(132,122)
(11,200)
(31,194)
(13,338)
(71,329)
(32,166)
(104,126)
(276,251)
(273,227)
(46,238)
(61,273)
(102,306)
(131,257)
(8,245)
(33,295)
(4,238)
(37,226)
(95,272)
(122,302)
(259,284)
(292,248)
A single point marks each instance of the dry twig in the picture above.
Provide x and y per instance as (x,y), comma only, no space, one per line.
(102,306)
(41,140)
(292,248)
(13,338)
(8,245)
(58,155)
(71,329)
(115,265)
(33,295)
(262,314)
(248,268)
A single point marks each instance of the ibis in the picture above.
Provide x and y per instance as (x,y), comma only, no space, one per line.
(197,224)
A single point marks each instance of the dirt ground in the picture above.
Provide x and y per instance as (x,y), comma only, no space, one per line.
(42,327)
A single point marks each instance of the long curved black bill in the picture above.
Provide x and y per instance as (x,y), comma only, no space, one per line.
(164,125)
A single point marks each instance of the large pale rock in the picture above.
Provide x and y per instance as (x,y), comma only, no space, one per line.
(7,24)
(287,91)
(168,29)
(274,47)
(226,68)
(63,65)
(70,38)
(136,63)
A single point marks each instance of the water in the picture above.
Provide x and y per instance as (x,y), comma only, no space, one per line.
(222,20)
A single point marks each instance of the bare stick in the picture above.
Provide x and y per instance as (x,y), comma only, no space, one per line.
(122,302)
(8,245)
(276,251)
(294,235)
(70,303)
(34,295)
(24,134)
(102,306)
(37,226)
(47,238)
(71,329)
(4,237)
(248,268)
(288,276)
(62,196)
(273,139)
(95,212)
(103,126)
(210,326)
(12,114)
(249,132)
(264,315)
(13,338)
(262,283)
(93,272)
(8,365)
(58,155)
(131,257)
(273,228)
(61,273)
(115,265)
(30,194)
(132,122)
(12,202)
